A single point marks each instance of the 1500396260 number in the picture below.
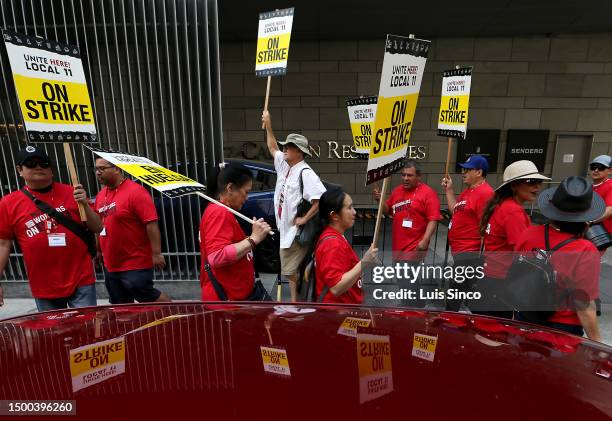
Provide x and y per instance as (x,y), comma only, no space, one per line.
(28,407)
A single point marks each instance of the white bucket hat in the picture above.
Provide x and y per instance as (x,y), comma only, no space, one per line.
(521,170)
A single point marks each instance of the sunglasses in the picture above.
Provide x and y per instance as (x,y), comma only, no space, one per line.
(33,164)
(597,167)
(533,181)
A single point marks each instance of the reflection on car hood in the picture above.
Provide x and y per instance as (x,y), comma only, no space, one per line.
(263,360)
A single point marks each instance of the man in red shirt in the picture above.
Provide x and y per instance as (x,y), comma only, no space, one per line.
(602,185)
(415,209)
(60,270)
(130,241)
(464,227)
(570,206)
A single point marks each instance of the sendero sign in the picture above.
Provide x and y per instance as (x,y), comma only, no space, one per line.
(273,42)
(51,89)
(400,82)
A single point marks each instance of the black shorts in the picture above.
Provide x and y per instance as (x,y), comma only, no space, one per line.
(127,286)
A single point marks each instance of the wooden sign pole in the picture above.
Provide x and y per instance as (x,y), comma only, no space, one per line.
(448,156)
(381,204)
(267,98)
(74,177)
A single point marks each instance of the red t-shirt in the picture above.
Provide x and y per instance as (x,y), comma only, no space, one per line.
(464,227)
(125,211)
(411,211)
(577,265)
(604,189)
(333,258)
(218,229)
(54,272)
(506,225)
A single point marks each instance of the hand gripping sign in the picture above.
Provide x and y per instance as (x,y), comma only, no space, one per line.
(361,115)
(51,89)
(52,93)
(400,83)
(273,45)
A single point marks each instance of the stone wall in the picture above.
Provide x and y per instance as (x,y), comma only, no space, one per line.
(562,84)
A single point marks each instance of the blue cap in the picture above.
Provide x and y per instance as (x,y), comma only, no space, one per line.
(478,162)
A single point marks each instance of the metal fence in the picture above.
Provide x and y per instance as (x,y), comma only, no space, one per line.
(153,73)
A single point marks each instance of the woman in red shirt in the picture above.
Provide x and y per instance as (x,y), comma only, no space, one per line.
(337,267)
(570,207)
(227,252)
(503,221)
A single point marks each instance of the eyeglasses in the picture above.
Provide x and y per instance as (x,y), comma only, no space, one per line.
(533,181)
(467,170)
(101,169)
(33,164)
(597,167)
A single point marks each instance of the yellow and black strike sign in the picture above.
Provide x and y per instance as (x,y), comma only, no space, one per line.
(455,101)
(424,346)
(361,115)
(400,83)
(374,362)
(273,42)
(51,88)
(168,182)
(350,324)
(275,360)
(94,363)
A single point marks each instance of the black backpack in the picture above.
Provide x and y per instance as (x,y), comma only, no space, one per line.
(307,283)
(531,283)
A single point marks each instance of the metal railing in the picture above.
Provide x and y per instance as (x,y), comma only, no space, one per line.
(153,73)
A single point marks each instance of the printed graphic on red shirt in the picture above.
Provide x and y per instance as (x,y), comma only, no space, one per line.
(605,191)
(334,257)
(464,228)
(411,210)
(54,269)
(219,229)
(577,265)
(125,211)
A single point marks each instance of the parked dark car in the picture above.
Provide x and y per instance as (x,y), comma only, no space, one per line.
(264,361)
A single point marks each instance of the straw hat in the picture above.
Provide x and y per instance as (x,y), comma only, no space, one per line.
(521,170)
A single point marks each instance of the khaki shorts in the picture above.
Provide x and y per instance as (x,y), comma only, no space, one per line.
(291,258)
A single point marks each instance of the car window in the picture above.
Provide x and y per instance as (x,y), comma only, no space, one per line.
(263,180)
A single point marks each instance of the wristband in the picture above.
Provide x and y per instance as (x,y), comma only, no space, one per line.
(252,242)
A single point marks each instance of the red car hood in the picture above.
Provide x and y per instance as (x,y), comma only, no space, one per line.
(254,361)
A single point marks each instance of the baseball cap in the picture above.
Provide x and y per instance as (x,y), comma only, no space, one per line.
(478,162)
(604,160)
(31,152)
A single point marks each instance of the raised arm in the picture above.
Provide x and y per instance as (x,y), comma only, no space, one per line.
(266,119)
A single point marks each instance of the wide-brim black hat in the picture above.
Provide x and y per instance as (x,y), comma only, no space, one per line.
(571,202)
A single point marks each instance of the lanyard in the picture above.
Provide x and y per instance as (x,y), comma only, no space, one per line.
(281,199)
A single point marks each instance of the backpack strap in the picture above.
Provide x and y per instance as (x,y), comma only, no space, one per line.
(77,229)
(325,287)
(302,181)
(215,283)
(561,244)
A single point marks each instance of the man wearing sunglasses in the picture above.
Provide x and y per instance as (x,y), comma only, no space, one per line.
(58,263)
(602,185)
